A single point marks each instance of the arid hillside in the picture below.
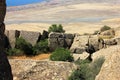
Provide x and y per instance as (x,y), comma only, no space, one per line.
(77,16)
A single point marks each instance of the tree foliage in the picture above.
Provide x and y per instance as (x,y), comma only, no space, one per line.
(56,28)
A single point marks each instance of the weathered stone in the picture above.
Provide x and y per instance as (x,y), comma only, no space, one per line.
(69,36)
(118,41)
(12,35)
(5,69)
(41,70)
(68,42)
(111,42)
(79,43)
(111,67)
(31,37)
(56,35)
(60,40)
(108,34)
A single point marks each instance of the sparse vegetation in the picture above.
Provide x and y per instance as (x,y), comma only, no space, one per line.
(87,70)
(56,28)
(24,46)
(104,28)
(61,54)
(14,52)
(41,47)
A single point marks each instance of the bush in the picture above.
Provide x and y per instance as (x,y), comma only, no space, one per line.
(104,28)
(14,52)
(61,54)
(41,47)
(56,28)
(86,70)
(24,46)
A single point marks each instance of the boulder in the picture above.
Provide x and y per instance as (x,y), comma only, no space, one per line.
(117,40)
(60,40)
(108,34)
(41,70)
(12,35)
(79,43)
(31,37)
(110,42)
(110,68)
(5,68)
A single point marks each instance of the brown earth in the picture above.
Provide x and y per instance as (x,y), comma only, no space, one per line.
(38,57)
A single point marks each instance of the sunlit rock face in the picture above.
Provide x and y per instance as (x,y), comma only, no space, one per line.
(5,69)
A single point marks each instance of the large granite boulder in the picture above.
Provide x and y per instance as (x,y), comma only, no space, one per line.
(60,40)
(79,43)
(111,67)
(5,69)
(31,37)
(41,70)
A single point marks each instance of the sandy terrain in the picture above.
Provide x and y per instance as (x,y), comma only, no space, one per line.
(76,17)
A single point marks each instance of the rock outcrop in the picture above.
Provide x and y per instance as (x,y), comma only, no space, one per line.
(31,37)
(5,69)
(108,34)
(12,35)
(41,70)
(79,43)
(60,40)
(111,67)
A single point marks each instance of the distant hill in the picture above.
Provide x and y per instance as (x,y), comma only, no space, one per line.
(52,3)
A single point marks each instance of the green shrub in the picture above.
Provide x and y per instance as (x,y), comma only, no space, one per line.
(56,28)
(41,47)
(24,46)
(61,54)
(86,70)
(14,52)
(104,28)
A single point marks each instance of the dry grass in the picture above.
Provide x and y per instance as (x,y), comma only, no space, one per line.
(38,57)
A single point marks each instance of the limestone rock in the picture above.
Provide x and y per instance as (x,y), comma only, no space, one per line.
(80,42)
(41,70)
(31,37)
(110,42)
(108,34)
(12,35)
(110,69)
(60,40)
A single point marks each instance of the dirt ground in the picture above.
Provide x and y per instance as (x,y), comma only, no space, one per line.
(38,57)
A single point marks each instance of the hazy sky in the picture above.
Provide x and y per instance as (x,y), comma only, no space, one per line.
(21,2)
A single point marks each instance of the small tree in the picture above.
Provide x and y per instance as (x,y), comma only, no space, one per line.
(61,54)
(24,46)
(104,28)
(56,28)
